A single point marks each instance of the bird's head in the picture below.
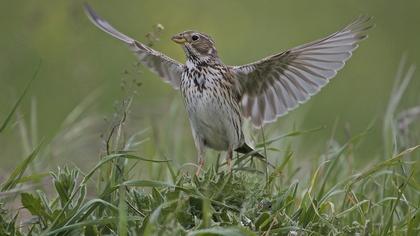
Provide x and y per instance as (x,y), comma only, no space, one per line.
(197,46)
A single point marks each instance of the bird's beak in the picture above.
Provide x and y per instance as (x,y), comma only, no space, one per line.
(178,39)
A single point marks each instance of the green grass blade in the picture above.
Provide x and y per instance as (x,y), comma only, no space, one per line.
(394,205)
(290,134)
(96,222)
(85,211)
(17,103)
(153,220)
(151,183)
(231,231)
(122,213)
(380,166)
(17,174)
(352,208)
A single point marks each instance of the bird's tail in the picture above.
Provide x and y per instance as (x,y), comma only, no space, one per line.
(245,149)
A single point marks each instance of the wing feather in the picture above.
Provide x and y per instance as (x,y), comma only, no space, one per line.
(165,67)
(279,83)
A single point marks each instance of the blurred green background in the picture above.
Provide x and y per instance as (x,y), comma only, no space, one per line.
(79,63)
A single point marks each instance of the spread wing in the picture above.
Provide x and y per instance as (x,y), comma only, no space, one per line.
(279,83)
(162,65)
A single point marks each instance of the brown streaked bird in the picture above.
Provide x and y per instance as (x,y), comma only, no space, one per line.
(219,97)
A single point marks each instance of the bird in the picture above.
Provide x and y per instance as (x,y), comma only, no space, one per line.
(219,98)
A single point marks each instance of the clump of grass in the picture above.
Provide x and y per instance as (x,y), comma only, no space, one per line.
(225,203)
(254,199)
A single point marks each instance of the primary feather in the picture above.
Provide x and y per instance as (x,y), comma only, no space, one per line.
(165,67)
(273,86)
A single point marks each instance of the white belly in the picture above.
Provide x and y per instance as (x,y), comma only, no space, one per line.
(212,119)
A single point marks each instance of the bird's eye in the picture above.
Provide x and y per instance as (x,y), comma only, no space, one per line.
(194,37)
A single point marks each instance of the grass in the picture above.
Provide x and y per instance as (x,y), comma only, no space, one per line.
(330,198)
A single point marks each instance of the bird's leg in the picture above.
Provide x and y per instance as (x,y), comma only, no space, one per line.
(199,144)
(201,155)
(200,166)
(229,159)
